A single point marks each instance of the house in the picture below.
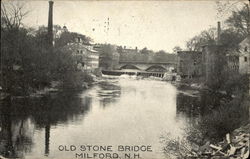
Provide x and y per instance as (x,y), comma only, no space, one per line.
(244,58)
(189,63)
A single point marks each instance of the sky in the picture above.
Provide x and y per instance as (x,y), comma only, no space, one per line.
(157,25)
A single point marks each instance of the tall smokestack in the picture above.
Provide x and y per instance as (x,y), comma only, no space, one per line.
(218,33)
(50,24)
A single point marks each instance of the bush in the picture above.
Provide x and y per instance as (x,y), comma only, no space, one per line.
(76,80)
(227,117)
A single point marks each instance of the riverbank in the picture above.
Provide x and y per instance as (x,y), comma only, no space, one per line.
(85,81)
(233,145)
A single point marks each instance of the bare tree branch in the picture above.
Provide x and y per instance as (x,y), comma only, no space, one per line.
(12,15)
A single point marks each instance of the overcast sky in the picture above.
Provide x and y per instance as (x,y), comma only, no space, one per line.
(158,25)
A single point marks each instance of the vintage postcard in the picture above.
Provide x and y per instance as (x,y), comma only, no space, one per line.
(116,79)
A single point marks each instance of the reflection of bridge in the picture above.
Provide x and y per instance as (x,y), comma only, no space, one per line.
(147,66)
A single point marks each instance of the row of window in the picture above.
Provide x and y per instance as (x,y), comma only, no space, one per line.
(234,67)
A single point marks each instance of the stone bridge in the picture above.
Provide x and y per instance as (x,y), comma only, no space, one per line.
(147,66)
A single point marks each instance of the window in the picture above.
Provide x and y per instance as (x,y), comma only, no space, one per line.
(195,62)
(78,51)
(245,48)
(245,59)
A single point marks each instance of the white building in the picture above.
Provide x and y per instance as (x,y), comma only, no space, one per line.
(244,58)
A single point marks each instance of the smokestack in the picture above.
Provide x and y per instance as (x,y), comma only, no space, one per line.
(218,33)
(50,24)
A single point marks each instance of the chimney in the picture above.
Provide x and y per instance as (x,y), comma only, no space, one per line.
(218,33)
(50,24)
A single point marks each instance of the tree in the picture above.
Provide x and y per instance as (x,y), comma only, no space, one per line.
(159,56)
(204,38)
(176,49)
(12,15)
(238,12)
(144,51)
(108,54)
(119,49)
(13,54)
(230,39)
(239,21)
(69,37)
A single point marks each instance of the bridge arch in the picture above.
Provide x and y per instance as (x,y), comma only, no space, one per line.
(129,67)
(156,68)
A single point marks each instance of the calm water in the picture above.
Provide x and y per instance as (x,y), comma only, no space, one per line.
(113,112)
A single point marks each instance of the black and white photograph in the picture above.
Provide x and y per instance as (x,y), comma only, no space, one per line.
(125,79)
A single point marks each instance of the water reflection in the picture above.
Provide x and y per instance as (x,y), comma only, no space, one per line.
(20,117)
(214,114)
(108,92)
(113,112)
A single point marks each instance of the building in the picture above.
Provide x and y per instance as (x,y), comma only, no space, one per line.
(244,58)
(87,58)
(232,58)
(189,64)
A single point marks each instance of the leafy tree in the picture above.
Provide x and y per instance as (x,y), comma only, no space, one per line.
(69,37)
(144,51)
(230,39)
(176,49)
(108,56)
(120,49)
(160,55)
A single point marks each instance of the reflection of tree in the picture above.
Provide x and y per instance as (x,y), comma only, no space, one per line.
(17,119)
(15,138)
(109,92)
(188,105)
(217,114)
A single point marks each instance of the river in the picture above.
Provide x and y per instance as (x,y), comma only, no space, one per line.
(125,112)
